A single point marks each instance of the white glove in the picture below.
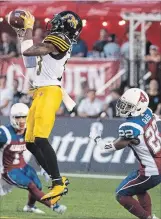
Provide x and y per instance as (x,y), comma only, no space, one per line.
(96,130)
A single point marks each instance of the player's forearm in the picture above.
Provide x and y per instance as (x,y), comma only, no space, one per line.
(40,49)
(117,144)
(28,34)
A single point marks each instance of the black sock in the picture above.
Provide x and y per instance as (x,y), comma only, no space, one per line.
(50,158)
(36,151)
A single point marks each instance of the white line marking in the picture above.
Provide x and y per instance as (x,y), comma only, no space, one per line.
(94,176)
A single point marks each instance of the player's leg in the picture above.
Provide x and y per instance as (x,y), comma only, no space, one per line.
(135,184)
(18,178)
(49,102)
(145,201)
(29,137)
(31,173)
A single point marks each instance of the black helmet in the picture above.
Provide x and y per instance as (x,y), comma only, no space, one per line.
(66,22)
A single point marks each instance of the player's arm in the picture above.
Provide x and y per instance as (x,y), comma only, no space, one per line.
(127,135)
(53,43)
(40,49)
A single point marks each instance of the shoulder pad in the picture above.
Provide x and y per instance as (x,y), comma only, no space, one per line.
(59,40)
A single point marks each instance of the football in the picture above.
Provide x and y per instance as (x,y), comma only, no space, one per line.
(15,20)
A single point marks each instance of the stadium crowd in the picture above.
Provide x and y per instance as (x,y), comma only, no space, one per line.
(88,104)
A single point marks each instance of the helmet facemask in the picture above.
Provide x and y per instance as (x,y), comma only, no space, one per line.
(18,122)
(124,108)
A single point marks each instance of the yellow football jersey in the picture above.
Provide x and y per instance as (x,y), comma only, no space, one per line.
(50,67)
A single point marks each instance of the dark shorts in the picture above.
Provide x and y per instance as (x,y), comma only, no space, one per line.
(22,177)
(135,184)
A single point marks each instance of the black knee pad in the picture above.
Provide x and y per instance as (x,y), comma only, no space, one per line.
(41,142)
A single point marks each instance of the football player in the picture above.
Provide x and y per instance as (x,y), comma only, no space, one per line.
(13,169)
(52,55)
(140,133)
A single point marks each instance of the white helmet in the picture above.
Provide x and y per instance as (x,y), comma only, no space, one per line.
(133,102)
(18,110)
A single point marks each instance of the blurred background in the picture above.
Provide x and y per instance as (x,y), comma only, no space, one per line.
(119,48)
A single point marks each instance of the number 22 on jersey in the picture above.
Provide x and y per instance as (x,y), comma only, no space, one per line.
(152,138)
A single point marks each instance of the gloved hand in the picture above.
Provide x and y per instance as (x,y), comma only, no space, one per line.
(96,131)
(28,20)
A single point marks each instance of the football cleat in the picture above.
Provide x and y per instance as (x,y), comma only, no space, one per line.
(33,210)
(60,209)
(57,190)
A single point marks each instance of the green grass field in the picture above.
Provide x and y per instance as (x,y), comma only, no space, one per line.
(87,199)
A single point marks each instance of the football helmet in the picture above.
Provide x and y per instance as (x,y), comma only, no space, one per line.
(133,102)
(66,22)
(18,110)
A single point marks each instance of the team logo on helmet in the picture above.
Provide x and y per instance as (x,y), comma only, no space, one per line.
(71,19)
(143,98)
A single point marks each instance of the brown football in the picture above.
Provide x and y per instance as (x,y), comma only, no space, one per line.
(15,20)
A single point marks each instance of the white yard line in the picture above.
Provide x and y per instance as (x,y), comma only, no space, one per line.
(94,176)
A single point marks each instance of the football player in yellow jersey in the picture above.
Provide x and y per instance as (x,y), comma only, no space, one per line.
(52,55)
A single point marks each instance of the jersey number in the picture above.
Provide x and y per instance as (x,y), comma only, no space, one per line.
(126,133)
(39,63)
(152,138)
(16,159)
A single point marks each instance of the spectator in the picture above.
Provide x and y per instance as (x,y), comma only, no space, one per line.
(16,94)
(6,96)
(111,100)
(38,36)
(154,95)
(63,111)
(154,55)
(84,90)
(103,40)
(26,99)
(8,49)
(112,49)
(90,106)
(137,46)
(154,63)
(79,49)
(19,97)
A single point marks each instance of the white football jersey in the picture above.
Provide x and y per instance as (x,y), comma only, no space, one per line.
(50,68)
(148,151)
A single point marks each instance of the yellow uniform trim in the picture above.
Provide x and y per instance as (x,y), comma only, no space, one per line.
(63,47)
(62,43)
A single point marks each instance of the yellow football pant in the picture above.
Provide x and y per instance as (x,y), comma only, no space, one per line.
(41,117)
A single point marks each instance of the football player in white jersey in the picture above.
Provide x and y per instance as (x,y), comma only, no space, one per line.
(140,133)
(52,55)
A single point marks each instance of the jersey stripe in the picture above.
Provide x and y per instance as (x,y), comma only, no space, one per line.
(63,43)
(61,47)
(60,39)
(60,43)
